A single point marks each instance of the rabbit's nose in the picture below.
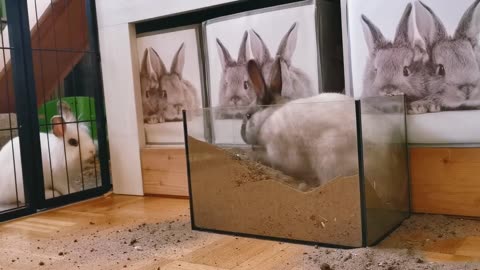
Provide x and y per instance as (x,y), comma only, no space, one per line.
(178,107)
(467,89)
(235,99)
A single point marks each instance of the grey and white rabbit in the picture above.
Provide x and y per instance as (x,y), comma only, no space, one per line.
(166,93)
(453,66)
(154,101)
(64,150)
(235,91)
(178,92)
(295,82)
(394,68)
(297,137)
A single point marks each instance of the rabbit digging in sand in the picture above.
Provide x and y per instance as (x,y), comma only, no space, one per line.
(394,68)
(297,137)
(67,146)
(453,68)
(165,93)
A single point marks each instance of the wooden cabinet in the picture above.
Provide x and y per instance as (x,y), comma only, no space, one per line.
(164,171)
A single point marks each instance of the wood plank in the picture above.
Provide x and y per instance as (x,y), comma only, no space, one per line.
(445,181)
(164,171)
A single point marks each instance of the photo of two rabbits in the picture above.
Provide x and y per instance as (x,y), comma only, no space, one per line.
(435,67)
(287,34)
(167,90)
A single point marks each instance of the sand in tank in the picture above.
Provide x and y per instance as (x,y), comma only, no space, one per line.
(244,196)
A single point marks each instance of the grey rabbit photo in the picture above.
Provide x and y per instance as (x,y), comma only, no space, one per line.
(314,150)
(235,90)
(295,82)
(394,68)
(453,71)
(165,94)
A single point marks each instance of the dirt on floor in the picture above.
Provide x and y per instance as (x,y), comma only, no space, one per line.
(138,243)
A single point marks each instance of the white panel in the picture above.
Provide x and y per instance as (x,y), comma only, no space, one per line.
(112,12)
(122,117)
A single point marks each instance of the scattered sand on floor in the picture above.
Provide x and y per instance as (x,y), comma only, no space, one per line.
(140,243)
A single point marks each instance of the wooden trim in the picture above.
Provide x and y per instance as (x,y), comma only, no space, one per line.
(63,26)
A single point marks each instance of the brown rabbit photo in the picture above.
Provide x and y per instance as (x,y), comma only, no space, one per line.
(170,82)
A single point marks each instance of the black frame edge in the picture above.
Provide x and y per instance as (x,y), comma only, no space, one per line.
(361,173)
(187,156)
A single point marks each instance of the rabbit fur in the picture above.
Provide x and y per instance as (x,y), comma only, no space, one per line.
(453,67)
(68,145)
(295,83)
(394,68)
(296,137)
(165,94)
(235,91)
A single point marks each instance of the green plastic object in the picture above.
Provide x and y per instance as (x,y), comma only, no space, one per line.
(82,107)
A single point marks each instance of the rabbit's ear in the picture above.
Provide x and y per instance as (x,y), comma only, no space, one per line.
(288,44)
(152,65)
(58,126)
(429,25)
(373,35)
(178,61)
(469,26)
(276,78)
(243,52)
(258,83)
(405,34)
(225,57)
(63,108)
(259,49)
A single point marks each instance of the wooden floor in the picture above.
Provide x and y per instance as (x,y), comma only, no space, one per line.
(116,232)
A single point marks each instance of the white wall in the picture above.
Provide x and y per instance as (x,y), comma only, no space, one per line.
(116,20)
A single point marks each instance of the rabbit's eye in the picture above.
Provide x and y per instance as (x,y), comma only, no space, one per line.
(248,115)
(441,70)
(246,85)
(73,142)
(406,72)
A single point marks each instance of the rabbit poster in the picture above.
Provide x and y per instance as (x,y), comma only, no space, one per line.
(288,32)
(171,81)
(426,50)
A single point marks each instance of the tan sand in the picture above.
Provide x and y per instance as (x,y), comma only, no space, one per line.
(245,197)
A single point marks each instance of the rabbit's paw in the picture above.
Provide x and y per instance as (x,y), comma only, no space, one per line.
(420,107)
(153,119)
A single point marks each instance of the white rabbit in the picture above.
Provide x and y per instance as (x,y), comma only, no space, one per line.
(295,82)
(235,90)
(394,68)
(453,68)
(178,92)
(298,137)
(153,100)
(68,145)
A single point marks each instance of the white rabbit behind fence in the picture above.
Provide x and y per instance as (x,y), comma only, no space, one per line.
(64,151)
(394,68)
(453,68)
(295,82)
(297,136)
